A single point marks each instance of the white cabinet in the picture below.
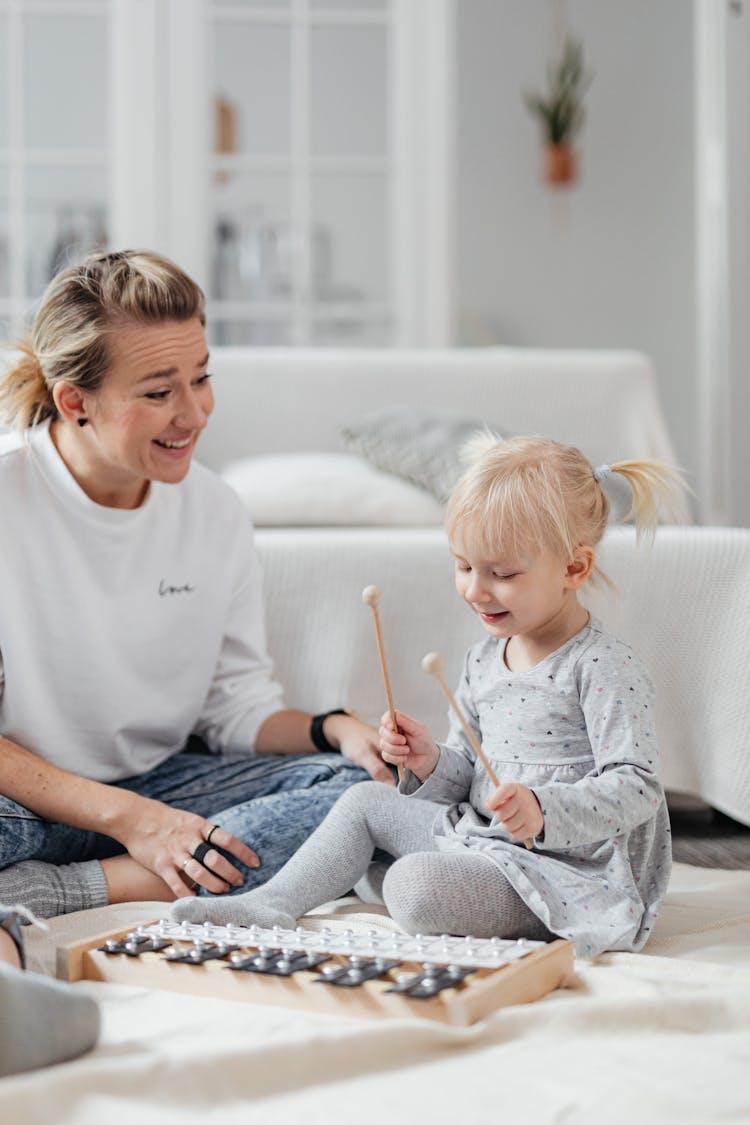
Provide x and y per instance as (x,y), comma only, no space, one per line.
(293,155)
(298,162)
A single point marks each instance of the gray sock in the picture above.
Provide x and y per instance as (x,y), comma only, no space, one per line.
(367,816)
(457,893)
(44,1021)
(47,890)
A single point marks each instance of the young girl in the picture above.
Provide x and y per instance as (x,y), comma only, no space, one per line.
(564,711)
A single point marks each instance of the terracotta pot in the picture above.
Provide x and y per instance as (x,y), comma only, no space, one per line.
(560,165)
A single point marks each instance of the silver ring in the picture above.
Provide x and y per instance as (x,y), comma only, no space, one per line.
(186,862)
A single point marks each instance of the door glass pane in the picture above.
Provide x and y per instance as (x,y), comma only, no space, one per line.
(234,6)
(66,80)
(348,91)
(4,236)
(252,87)
(351,217)
(348,5)
(252,249)
(66,217)
(346,329)
(251,331)
(3,79)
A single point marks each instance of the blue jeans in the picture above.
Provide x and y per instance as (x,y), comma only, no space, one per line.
(272,802)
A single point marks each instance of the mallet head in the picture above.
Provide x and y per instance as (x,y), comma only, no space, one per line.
(432,663)
(371,595)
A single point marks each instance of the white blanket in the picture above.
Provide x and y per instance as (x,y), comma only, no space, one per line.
(659,1036)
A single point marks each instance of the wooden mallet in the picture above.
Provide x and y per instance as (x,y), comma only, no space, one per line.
(371,597)
(433,664)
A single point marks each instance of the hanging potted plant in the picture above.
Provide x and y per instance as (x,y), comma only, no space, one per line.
(560,113)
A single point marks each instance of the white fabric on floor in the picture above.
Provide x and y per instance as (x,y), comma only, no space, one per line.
(659,1036)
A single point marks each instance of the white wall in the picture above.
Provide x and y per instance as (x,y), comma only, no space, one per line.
(610,262)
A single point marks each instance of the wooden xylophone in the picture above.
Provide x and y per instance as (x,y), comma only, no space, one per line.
(449,979)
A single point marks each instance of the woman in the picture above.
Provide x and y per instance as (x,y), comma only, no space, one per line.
(131,620)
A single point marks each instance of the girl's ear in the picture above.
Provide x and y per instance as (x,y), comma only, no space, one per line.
(580,566)
(69,401)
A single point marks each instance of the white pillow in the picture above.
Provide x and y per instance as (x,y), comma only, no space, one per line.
(326,489)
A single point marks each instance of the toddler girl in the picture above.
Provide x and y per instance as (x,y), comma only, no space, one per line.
(564,712)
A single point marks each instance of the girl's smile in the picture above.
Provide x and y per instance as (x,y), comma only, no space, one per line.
(530,598)
(142,424)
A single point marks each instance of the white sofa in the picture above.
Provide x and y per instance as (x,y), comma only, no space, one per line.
(694,582)
(659,1036)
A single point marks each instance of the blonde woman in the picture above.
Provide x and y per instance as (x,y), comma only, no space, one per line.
(145,749)
(565,713)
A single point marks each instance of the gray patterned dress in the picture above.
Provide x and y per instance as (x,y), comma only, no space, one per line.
(577,729)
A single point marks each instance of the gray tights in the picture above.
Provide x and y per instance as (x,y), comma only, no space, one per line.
(425,890)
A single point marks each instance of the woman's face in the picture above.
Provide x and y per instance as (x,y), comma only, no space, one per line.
(146,417)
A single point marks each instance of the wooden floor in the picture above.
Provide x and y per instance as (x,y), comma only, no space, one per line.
(706,838)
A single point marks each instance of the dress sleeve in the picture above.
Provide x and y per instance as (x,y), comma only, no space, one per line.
(243,691)
(622,790)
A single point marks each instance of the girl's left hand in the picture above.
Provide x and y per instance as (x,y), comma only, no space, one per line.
(517,809)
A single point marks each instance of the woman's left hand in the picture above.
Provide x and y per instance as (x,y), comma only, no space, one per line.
(517,809)
(358,743)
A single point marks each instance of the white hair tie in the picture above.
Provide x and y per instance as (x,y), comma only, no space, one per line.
(602,472)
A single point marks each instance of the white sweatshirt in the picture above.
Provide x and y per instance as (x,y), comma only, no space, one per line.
(123,631)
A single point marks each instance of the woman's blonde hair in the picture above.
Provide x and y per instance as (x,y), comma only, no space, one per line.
(534,494)
(81,307)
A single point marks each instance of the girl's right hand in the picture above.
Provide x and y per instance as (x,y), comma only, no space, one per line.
(411,746)
(163,840)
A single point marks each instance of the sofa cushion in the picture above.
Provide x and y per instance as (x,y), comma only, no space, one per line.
(418,446)
(326,489)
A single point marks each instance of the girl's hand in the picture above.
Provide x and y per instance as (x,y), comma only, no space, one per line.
(518,810)
(163,840)
(411,746)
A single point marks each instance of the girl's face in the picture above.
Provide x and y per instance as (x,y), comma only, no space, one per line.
(144,421)
(515,594)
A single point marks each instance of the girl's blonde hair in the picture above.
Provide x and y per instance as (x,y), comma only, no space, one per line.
(534,494)
(81,307)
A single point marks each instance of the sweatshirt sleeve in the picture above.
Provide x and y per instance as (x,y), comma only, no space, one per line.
(243,691)
(622,791)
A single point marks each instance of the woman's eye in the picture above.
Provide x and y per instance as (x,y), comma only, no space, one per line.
(204,379)
(157,396)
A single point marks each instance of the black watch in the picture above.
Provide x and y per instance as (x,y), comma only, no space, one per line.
(317,737)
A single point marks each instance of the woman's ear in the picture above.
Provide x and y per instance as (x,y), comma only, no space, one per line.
(69,401)
(580,566)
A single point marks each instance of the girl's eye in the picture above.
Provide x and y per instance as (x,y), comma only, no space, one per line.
(159,396)
(504,577)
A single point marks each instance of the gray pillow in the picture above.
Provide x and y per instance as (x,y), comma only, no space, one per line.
(409,443)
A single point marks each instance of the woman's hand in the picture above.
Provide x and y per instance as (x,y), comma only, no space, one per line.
(163,840)
(358,743)
(411,746)
(517,809)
